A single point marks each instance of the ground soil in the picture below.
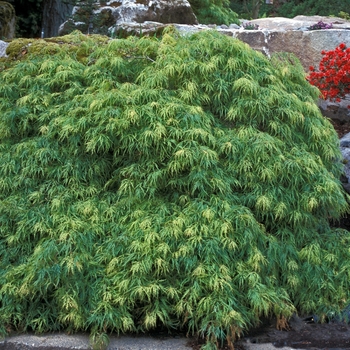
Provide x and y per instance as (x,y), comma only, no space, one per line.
(303,332)
(341,127)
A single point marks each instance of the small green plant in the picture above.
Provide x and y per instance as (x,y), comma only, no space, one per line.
(344,15)
(99,341)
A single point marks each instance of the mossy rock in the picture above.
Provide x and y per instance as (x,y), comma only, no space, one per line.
(74,42)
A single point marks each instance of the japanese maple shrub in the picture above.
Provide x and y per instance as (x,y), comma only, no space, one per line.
(185,182)
(333,74)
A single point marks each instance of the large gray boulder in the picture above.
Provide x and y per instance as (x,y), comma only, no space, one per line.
(55,12)
(111,16)
(306,45)
(279,34)
(3,47)
(345,150)
(336,110)
(163,11)
(299,22)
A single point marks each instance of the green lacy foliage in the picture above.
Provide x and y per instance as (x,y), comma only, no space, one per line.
(183,181)
(344,15)
(213,11)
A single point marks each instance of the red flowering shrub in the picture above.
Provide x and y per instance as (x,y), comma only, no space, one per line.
(333,75)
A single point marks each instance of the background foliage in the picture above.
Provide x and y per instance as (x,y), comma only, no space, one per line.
(183,182)
(290,8)
(213,11)
(30,12)
(251,9)
(313,7)
(29,17)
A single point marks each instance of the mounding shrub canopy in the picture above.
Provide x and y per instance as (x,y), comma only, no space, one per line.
(184,181)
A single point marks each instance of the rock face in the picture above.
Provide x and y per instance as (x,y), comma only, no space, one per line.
(54,13)
(345,150)
(116,14)
(7,20)
(306,45)
(299,22)
(335,110)
(292,35)
(3,46)
(163,11)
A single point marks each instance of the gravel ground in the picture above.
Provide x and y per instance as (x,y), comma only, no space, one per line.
(266,346)
(81,341)
(61,341)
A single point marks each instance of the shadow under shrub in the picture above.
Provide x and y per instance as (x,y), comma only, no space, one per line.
(184,181)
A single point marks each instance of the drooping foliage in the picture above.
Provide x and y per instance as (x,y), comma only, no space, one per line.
(184,181)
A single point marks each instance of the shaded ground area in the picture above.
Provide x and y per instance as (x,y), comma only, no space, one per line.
(342,127)
(301,335)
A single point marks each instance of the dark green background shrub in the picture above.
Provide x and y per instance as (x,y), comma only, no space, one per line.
(291,8)
(313,7)
(213,11)
(28,17)
(185,181)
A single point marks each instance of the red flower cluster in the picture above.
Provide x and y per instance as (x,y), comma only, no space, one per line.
(333,75)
